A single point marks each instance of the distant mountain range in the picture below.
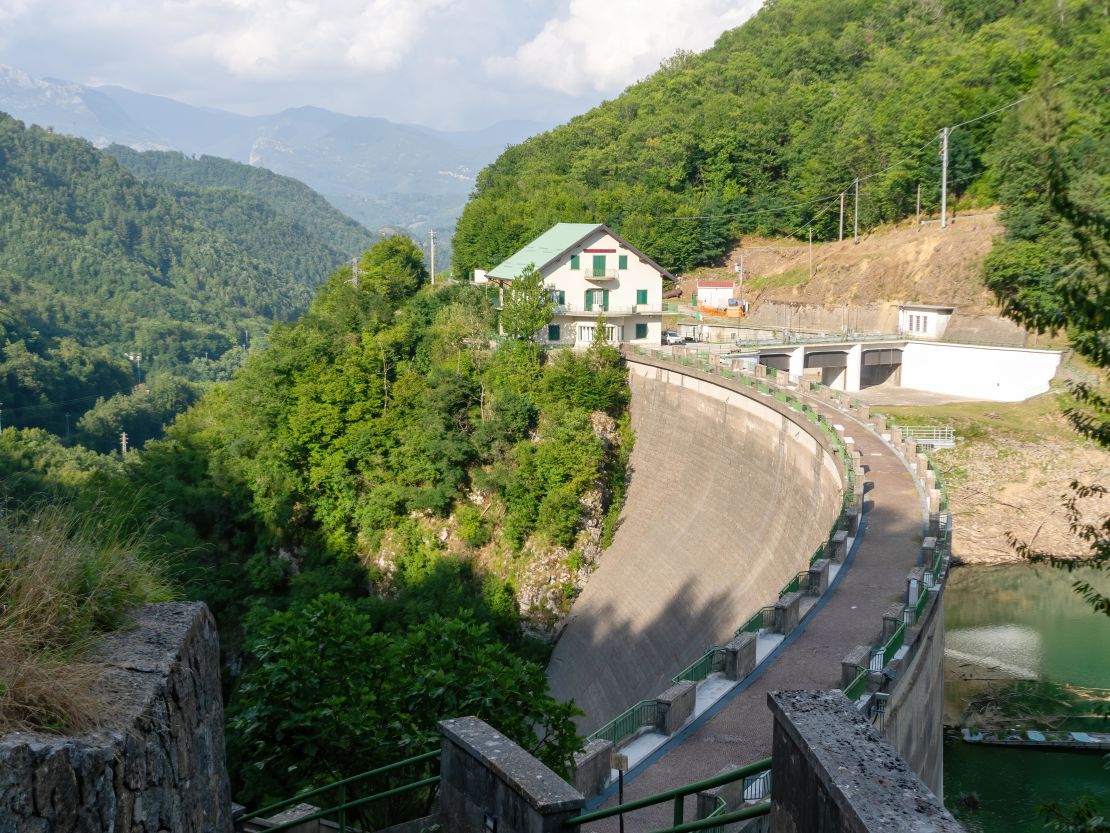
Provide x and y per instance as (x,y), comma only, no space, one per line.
(378,172)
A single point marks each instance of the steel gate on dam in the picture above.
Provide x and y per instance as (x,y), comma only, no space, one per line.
(730,495)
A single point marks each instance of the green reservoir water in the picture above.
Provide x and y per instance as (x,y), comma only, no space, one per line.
(1027,623)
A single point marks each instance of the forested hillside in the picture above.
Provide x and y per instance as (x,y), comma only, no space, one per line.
(362,506)
(288,197)
(96,264)
(788,110)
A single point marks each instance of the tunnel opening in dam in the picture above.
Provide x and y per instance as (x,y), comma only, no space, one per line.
(730,493)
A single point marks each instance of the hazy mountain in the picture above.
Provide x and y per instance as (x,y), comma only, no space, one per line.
(379,172)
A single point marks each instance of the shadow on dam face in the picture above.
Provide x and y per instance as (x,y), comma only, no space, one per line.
(727,501)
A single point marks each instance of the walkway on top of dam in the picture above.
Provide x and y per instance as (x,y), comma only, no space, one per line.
(737,730)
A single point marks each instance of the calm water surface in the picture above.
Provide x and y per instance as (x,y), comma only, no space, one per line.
(1029,624)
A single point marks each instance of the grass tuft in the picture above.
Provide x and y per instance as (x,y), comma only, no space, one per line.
(66,579)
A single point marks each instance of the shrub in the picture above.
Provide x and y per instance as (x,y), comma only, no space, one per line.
(65,579)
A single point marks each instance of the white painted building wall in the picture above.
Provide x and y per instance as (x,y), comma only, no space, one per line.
(998,374)
(923,321)
(626,308)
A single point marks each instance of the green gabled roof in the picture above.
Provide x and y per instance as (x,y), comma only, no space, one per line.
(543,249)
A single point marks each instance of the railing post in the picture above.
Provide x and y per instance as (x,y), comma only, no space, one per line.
(678,801)
(343,809)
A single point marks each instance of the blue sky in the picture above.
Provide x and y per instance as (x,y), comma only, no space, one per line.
(444,63)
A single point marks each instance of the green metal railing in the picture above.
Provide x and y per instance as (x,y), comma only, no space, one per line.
(892,646)
(712,660)
(627,722)
(678,795)
(800,583)
(855,689)
(919,606)
(344,787)
(763,618)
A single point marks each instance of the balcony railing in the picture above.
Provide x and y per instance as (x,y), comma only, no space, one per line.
(590,273)
(635,309)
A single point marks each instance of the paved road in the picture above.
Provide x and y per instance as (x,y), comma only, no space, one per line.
(852,615)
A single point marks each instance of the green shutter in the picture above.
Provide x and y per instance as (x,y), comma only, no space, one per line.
(641,296)
(605,300)
(599,266)
(553,332)
(589,300)
(574,261)
(562,298)
(622,261)
(641,331)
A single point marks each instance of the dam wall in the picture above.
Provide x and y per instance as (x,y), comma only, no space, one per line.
(730,494)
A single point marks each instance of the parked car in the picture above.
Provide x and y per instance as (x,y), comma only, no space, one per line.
(671,337)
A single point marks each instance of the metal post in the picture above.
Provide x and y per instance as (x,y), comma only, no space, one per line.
(811,254)
(841,216)
(855,222)
(620,795)
(919,205)
(944,177)
(343,808)
(678,810)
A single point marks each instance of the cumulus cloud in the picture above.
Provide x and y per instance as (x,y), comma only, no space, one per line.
(603,46)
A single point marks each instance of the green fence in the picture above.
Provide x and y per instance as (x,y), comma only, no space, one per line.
(628,722)
(712,660)
(855,689)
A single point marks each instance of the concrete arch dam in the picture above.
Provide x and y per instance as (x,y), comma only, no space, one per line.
(730,495)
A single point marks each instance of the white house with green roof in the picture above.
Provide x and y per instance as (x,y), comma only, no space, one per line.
(592,273)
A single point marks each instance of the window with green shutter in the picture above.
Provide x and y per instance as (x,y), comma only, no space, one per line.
(553,332)
(622,261)
(574,261)
(589,299)
(605,300)
(641,296)
(599,266)
(641,331)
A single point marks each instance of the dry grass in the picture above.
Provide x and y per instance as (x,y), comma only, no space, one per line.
(65,580)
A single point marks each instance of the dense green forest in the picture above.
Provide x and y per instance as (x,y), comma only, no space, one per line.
(288,197)
(97,266)
(378,481)
(788,110)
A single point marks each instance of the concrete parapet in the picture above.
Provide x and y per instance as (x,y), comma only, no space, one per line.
(489,783)
(934,499)
(856,660)
(934,524)
(787,612)
(878,422)
(852,516)
(893,619)
(592,767)
(896,437)
(832,771)
(740,656)
(818,577)
(837,547)
(915,586)
(674,706)
(863,412)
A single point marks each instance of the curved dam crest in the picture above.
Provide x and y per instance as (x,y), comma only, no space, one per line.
(728,498)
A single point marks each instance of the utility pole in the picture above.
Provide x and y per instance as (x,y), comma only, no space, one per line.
(354,272)
(944,177)
(855,222)
(123,443)
(432,235)
(919,206)
(811,254)
(841,237)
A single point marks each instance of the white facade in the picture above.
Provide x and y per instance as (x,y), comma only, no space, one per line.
(998,374)
(601,276)
(715,294)
(923,320)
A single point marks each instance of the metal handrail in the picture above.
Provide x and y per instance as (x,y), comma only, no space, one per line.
(627,722)
(854,690)
(347,805)
(677,794)
(700,668)
(719,821)
(299,797)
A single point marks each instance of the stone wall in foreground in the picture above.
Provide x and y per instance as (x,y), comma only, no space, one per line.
(157,764)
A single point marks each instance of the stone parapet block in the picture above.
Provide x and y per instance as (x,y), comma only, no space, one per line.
(740,656)
(488,782)
(592,767)
(818,577)
(674,706)
(787,612)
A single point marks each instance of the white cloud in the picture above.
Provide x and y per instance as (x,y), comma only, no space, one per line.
(604,46)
